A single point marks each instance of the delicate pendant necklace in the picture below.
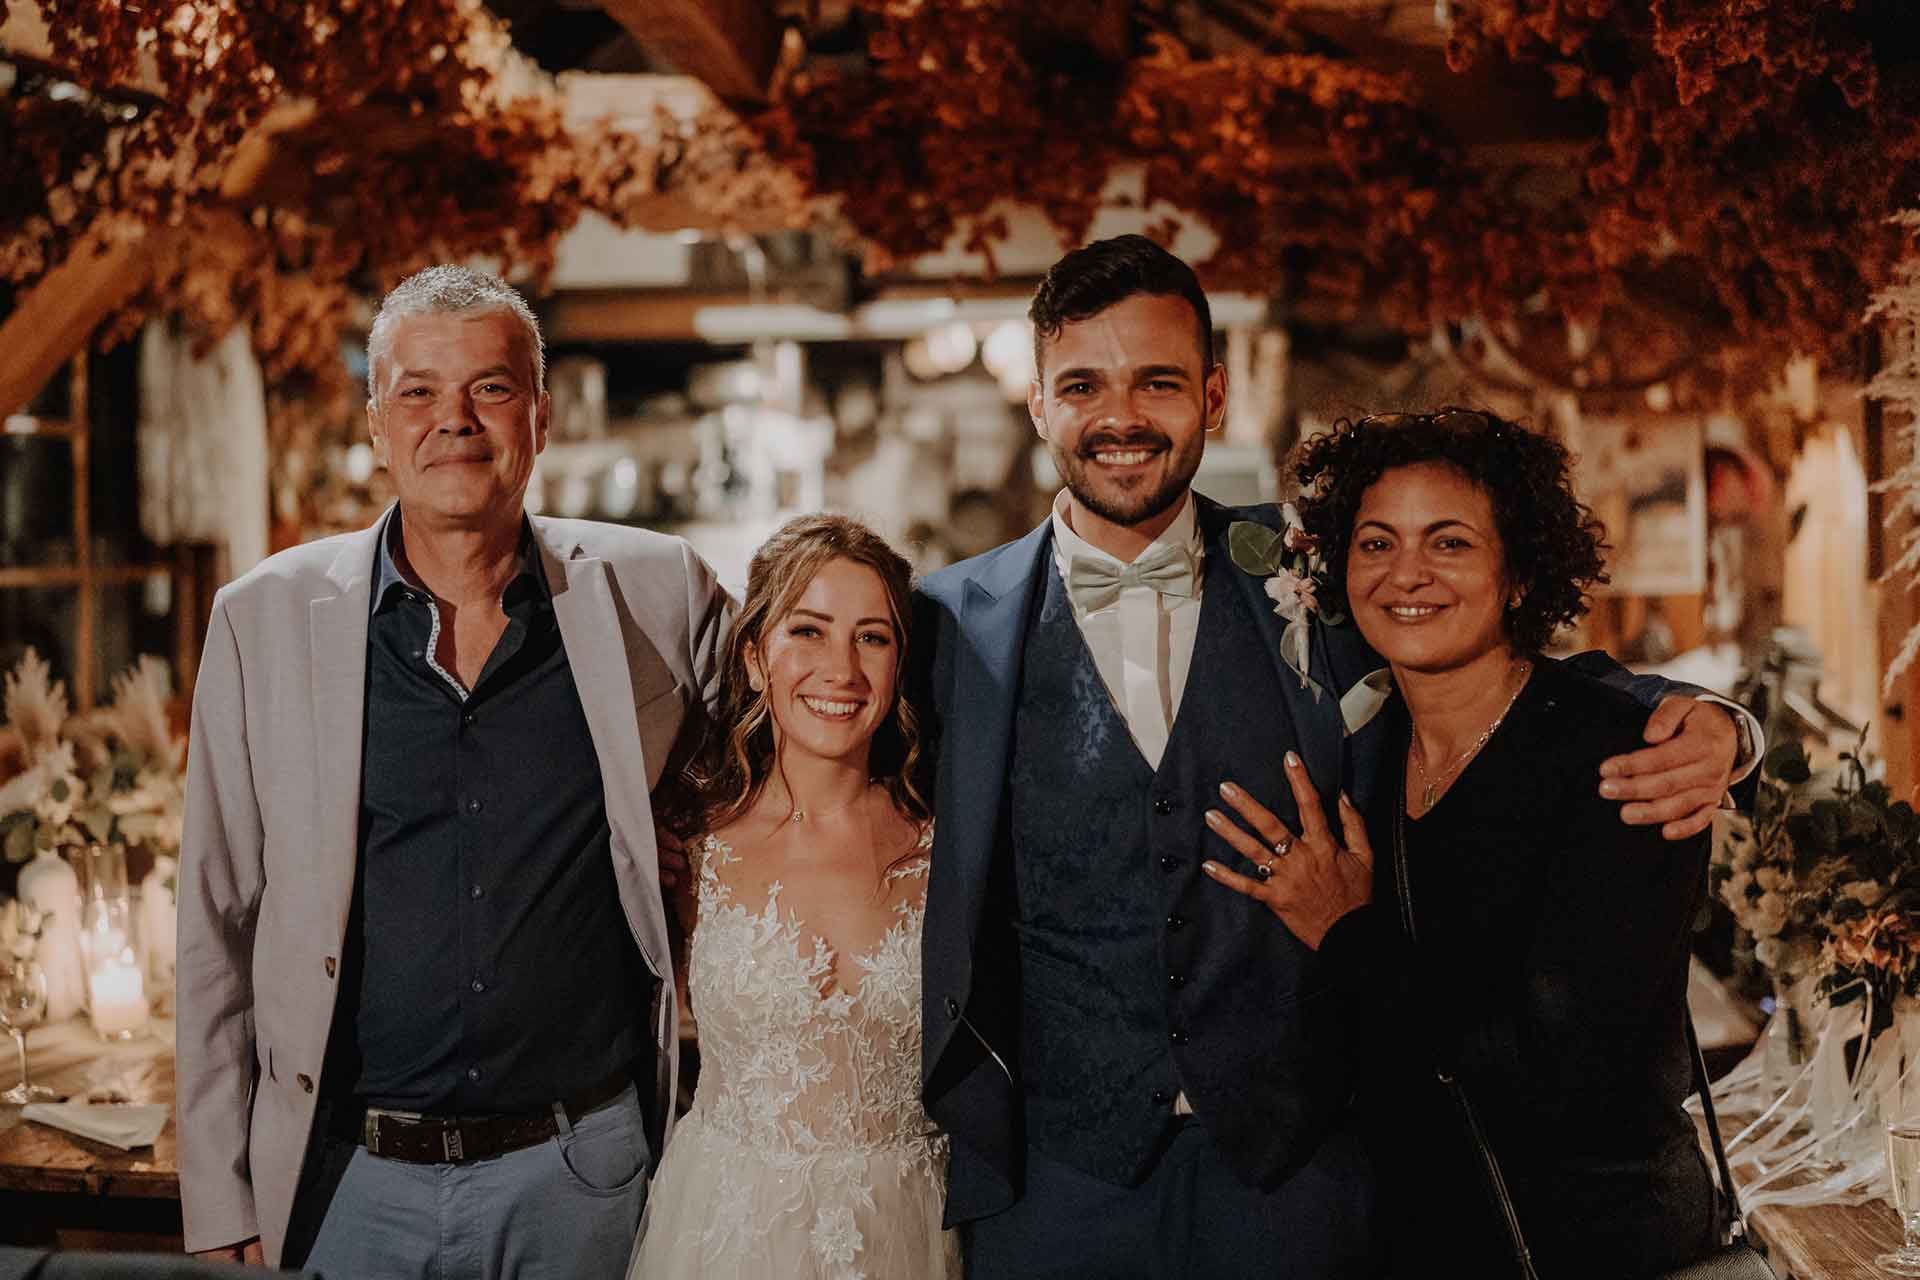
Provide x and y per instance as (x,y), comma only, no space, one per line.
(801,815)
(1430,787)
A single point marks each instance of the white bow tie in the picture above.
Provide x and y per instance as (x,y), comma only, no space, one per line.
(1097,583)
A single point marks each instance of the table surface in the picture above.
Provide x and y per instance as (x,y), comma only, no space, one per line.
(69,1057)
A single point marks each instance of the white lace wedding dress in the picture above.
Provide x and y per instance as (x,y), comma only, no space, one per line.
(807,1152)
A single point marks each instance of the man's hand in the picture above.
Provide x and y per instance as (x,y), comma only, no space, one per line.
(673,857)
(1679,780)
(247,1251)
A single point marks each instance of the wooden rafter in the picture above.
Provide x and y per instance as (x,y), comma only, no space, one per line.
(729,44)
(54,318)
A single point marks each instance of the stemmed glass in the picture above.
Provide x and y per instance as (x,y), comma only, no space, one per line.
(1903,1162)
(23,1002)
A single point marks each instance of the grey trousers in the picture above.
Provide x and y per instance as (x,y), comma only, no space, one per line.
(568,1207)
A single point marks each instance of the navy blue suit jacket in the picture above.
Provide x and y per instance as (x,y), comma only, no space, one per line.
(968,636)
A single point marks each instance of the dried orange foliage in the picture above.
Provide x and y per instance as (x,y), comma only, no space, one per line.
(410,138)
(1752,152)
(1753,149)
(1768,142)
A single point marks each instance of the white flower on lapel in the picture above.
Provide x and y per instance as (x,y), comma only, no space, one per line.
(1295,572)
(1292,595)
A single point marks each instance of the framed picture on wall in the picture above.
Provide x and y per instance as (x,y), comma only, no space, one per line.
(1645,479)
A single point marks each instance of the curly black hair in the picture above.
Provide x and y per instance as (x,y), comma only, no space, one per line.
(1553,543)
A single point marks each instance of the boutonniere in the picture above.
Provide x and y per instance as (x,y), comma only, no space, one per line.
(1289,559)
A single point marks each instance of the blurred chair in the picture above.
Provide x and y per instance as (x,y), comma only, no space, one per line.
(49,1264)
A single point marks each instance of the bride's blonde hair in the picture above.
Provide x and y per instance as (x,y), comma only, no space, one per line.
(737,756)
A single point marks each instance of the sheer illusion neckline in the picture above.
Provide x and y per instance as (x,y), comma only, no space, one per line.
(832,994)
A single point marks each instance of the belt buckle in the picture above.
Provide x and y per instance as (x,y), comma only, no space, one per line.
(370,1126)
(452,1143)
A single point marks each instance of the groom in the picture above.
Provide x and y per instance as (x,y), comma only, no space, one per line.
(1143,1077)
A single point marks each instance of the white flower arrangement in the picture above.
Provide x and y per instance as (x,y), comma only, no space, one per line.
(109,776)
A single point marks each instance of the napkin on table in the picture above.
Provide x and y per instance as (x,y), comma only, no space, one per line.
(122,1125)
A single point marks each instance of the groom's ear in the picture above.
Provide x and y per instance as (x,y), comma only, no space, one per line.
(1037,408)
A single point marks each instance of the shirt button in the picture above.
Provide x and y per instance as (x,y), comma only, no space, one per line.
(1161,1098)
(1176,922)
(327,964)
(1176,980)
(1178,1037)
(1168,862)
(476,893)
(1162,806)
(478,986)
(473,806)
(306,1082)
(473,1073)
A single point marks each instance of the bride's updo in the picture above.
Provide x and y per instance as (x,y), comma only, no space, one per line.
(736,756)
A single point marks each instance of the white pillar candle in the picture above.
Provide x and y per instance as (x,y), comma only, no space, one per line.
(118,996)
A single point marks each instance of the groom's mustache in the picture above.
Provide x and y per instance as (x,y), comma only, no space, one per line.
(1147,440)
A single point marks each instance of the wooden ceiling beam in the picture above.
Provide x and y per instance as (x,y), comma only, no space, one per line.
(56,317)
(729,44)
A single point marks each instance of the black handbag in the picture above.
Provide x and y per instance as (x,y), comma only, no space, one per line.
(1736,1259)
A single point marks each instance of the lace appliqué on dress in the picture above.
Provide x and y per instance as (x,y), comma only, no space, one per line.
(807,1151)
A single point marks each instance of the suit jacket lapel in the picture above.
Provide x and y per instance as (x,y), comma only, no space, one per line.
(1316,718)
(596,646)
(979,728)
(337,638)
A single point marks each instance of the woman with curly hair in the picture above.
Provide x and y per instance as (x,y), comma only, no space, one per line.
(1510,933)
(806,1152)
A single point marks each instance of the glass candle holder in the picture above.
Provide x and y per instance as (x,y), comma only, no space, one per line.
(116,987)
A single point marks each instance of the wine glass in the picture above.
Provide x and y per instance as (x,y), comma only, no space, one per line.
(1903,1162)
(23,1002)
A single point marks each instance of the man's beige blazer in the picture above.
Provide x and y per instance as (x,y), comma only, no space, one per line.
(272,816)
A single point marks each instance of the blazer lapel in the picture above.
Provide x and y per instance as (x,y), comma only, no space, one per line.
(979,725)
(1316,717)
(337,639)
(596,646)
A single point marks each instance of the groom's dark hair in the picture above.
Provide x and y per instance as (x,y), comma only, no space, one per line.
(1096,276)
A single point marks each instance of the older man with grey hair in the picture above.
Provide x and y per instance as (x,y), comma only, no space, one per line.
(423,953)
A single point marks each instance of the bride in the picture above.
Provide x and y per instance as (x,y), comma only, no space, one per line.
(806,1152)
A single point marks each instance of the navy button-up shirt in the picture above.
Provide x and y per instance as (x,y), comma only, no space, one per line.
(490,965)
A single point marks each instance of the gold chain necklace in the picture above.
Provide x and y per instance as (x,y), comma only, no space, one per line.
(1431,786)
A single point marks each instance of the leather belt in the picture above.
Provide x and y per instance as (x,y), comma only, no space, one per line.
(424,1139)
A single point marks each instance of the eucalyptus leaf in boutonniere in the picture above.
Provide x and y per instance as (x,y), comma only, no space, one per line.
(1289,559)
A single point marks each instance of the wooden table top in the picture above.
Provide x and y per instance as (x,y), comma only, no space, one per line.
(1818,1242)
(69,1057)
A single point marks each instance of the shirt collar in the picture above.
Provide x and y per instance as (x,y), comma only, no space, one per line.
(388,576)
(1183,532)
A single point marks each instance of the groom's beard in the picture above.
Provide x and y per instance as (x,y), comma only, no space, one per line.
(1134,499)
